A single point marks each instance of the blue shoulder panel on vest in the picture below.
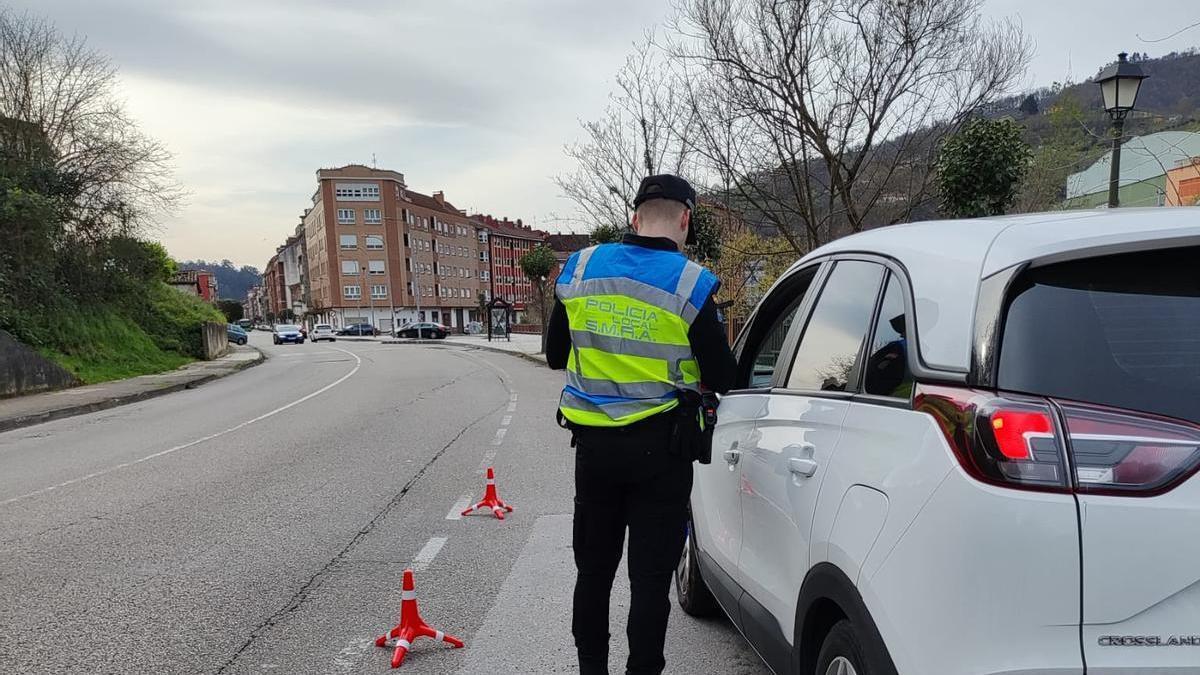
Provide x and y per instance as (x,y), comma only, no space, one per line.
(705,287)
(660,269)
(568,269)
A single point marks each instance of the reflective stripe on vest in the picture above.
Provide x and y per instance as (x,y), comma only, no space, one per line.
(629,310)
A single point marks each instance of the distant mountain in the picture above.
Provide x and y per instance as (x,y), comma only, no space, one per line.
(232,282)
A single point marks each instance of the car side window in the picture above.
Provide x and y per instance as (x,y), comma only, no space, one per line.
(830,352)
(887,372)
(760,355)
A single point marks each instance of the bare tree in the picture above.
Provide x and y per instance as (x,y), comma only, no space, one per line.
(823,115)
(66,91)
(642,132)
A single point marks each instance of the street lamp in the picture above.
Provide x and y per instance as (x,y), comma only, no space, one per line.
(1119,85)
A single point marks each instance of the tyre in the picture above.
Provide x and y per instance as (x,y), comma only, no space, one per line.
(275,340)
(241,342)
(842,653)
(694,597)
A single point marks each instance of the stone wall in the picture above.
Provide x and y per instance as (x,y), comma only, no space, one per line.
(215,339)
(24,371)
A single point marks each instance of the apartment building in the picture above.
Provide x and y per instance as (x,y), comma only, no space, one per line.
(383,254)
(285,279)
(507,242)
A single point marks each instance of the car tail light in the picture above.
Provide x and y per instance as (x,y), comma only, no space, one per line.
(1009,441)
(1124,453)
(1016,441)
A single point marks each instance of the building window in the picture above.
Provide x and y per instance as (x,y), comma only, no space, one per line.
(483,236)
(483,256)
(372,216)
(408,286)
(352,292)
(350,267)
(375,267)
(484,275)
(348,242)
(345,216)
(378,291)
(374,243)
(356,192)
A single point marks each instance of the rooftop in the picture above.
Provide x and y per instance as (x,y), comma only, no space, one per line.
(1142,158)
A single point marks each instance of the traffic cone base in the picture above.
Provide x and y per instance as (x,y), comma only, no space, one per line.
(491,500)
(411,626)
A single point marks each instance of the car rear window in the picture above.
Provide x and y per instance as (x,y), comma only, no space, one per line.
(1120,330)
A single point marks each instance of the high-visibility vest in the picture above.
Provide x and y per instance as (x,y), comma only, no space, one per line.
(629,310)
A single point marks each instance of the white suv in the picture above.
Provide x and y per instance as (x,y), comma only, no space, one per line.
(965,447)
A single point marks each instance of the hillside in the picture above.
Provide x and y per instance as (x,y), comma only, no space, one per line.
(1169,99)
(232,282)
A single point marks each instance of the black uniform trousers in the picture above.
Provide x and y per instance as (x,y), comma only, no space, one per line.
(627,478)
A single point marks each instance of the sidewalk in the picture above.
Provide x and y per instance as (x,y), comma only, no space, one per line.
(24,411)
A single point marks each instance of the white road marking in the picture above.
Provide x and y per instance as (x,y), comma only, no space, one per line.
(512,405)
(459,506)
(499,436)
(198,441)
(506,421)
(488,458)
(427,553)
(348,658)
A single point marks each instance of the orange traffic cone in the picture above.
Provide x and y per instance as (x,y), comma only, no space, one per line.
(411,626)
(490,499)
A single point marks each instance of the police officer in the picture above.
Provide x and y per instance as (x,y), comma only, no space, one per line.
(638,332)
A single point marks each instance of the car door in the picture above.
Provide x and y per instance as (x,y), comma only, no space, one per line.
(792,443)
(716,503)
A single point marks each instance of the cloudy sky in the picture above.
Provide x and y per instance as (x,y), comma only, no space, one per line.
(473,97)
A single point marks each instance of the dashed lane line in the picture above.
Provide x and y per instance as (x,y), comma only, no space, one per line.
(427,553)
(499,436)
(459,506)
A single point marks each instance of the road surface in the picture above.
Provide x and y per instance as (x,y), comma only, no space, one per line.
(261,523)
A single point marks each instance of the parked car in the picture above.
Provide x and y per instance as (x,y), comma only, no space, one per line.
(245,324)
(236,334)
(965,447)
(323,331)
(426,329)
(359,329)
(287,333)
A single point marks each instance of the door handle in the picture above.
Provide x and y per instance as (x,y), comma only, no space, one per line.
(732,455)
(802,466)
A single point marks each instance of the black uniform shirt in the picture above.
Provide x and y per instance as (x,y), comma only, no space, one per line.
(706,335)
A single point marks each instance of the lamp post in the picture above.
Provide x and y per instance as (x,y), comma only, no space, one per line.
(1119,85)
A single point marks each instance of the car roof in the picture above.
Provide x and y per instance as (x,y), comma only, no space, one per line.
(946,259)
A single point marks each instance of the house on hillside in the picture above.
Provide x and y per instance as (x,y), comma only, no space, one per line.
(199,283)
(1183,183)
(1145,163)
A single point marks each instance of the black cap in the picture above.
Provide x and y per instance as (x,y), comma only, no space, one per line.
(665,186)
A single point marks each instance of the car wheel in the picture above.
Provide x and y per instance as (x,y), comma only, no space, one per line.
(842,653)
(275,340)
(694,596)
(241,342)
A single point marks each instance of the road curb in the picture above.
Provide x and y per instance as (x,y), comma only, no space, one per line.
(532,358)
(117,401)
